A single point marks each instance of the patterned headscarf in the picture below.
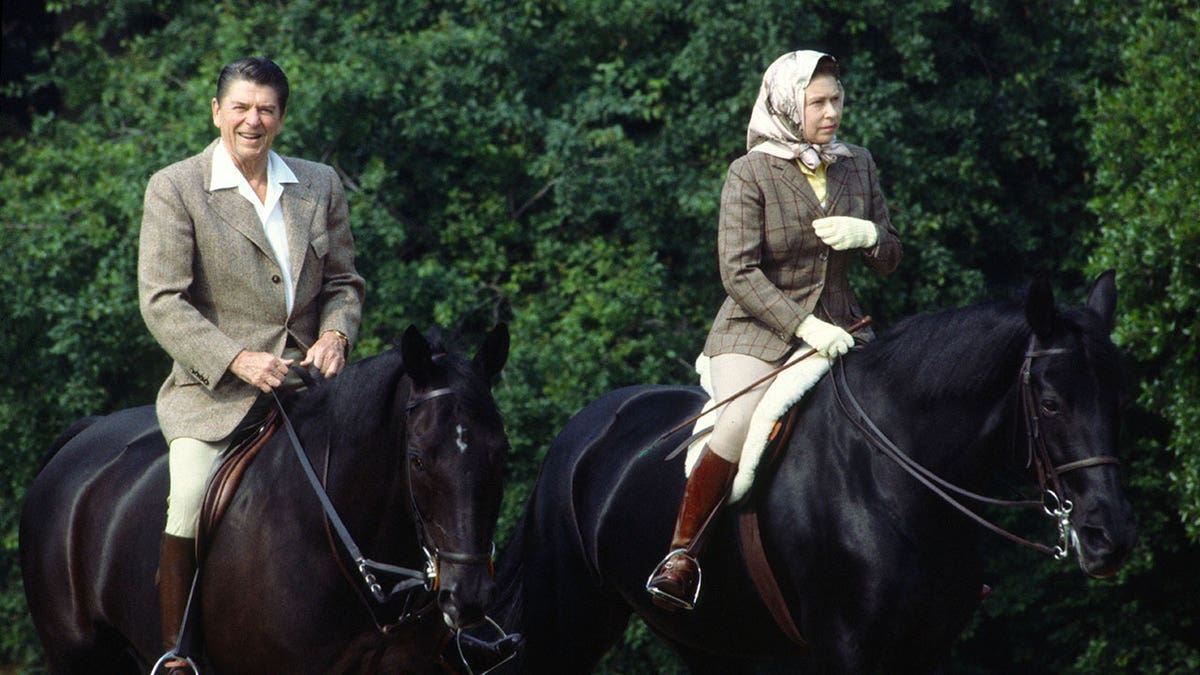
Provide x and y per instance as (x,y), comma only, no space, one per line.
(777,122)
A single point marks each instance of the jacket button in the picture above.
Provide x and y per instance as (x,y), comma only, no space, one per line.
(275,278)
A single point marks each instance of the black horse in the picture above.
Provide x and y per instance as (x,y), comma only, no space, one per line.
(410,448)
(877,571)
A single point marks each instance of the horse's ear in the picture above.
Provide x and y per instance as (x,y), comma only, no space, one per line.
(418,358)
(1039,307)
(494,353)
(1102,297)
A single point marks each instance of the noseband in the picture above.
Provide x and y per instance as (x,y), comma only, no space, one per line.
(1054,502)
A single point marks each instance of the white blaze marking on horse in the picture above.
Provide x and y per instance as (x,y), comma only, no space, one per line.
(462,445)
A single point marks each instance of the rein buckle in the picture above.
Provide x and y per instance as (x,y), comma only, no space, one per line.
(1060,510)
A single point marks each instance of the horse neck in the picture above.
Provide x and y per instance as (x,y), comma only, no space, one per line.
(367,480)
(952,395)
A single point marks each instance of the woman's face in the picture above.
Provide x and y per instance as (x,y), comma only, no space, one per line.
(822,109)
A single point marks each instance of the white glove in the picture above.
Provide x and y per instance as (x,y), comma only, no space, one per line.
(844,232)
(829,340)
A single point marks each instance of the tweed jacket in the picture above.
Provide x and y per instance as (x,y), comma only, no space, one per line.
(209,286)
(775,269)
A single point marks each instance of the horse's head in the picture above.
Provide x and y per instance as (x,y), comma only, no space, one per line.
(456,450)
(1073,402)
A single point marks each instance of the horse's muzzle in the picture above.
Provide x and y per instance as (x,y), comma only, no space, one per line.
(464,601)
(1104,539)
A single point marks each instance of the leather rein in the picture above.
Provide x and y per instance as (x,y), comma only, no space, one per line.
(369,570)
(1054,502)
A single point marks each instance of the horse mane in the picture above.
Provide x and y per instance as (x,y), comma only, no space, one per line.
(949,353)
(363,394)
(955,352)
(354,402)
(473,391)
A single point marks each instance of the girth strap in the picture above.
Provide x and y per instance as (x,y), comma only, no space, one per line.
(752,546)
(764,578)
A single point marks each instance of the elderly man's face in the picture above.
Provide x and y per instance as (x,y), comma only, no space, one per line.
(249,118)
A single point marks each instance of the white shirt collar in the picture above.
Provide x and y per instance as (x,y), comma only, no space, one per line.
(225,173)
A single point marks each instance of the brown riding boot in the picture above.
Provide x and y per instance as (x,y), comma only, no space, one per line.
(674,584)
(176,569)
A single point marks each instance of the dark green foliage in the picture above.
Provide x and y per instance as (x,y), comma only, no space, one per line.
(558,165)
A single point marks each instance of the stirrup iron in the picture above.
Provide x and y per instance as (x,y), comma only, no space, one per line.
(680,603)
(504,635)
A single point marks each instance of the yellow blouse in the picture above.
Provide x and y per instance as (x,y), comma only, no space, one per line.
(816,179)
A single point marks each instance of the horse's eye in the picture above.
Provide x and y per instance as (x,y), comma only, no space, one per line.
(416,462)
(1050,406)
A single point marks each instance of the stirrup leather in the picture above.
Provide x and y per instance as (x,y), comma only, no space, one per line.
(681,603)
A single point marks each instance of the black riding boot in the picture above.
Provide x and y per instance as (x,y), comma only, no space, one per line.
(674,584)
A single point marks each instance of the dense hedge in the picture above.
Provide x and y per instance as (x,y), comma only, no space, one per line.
(558,165)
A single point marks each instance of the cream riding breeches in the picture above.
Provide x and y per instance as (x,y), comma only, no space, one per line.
(192,463)
(732,373)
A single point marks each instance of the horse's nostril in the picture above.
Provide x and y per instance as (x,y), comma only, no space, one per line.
(1101,554)
(450,611)
(457,612)
(471,618)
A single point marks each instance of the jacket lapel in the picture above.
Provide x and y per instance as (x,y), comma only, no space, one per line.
(836,178)
(232,208)
(237,213)
(299,208)
(789,173)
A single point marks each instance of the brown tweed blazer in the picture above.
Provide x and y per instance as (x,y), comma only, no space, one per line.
(209,286)
(775,268)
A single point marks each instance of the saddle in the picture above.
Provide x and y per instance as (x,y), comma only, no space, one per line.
(228,476)
(781,396)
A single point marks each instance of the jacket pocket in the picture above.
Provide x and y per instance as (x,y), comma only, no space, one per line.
(320,244)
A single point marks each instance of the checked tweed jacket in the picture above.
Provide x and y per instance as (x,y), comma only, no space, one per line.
(209,285)
(775,269)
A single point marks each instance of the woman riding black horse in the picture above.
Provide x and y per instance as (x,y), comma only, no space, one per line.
(797,210)
(875,569)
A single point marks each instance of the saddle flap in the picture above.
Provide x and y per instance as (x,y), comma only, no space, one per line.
(226,479)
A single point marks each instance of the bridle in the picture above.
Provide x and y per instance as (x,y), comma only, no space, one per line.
(434,554)
(1054,501)
(370,571)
